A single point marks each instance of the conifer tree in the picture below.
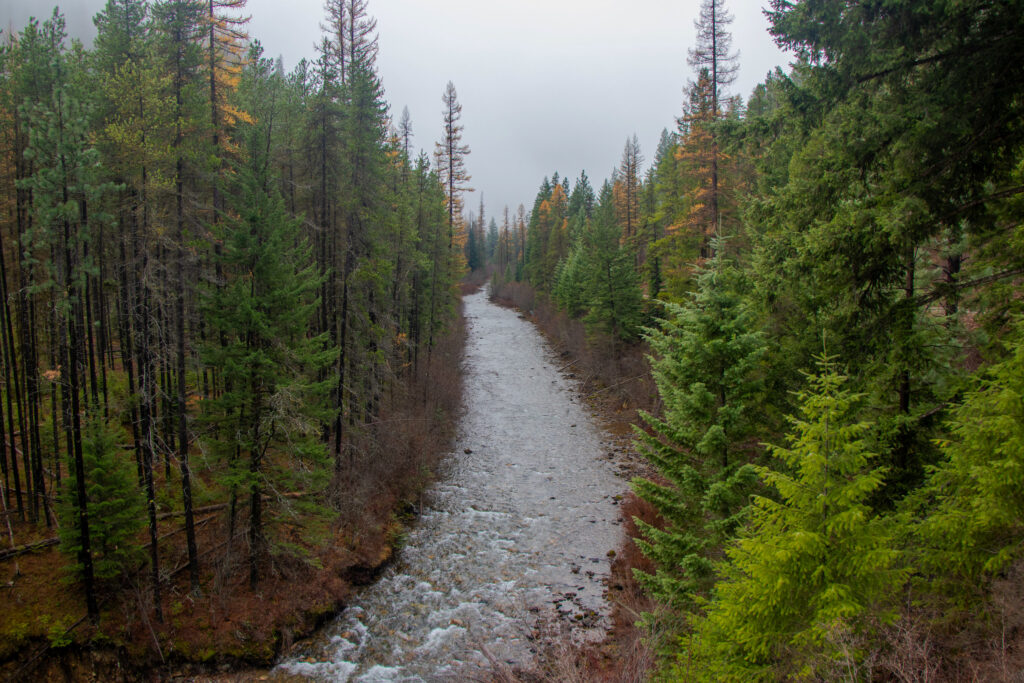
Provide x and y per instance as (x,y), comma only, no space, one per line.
(697,162)
(115,504)
(627,191)
(181,24)
(450,155)
(568,288)
(610,283)
(971,525)
(707,373)
(712,53)
(66,188)
(816,561)
(272,396)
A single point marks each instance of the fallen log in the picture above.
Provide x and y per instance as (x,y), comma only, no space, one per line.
(27,548)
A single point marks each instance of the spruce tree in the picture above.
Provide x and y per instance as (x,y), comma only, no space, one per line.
(116,505)
(611,286)
(974,527)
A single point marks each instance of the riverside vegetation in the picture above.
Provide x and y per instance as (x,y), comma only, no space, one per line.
(230,332)
(825,278)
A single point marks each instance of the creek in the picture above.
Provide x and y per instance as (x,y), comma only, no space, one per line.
(515,536)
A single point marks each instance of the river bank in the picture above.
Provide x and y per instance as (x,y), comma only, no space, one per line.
(521,531)
(333,548)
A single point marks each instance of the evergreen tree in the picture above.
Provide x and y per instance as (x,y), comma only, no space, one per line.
(707,370)
(115,505)
(568,290)
(611,286)
(971,524)
(492,240)
(815,563)
(451,155)
(627,191)
(712,57)
(270,411)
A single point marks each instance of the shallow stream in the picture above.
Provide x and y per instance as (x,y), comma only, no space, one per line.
(515,536)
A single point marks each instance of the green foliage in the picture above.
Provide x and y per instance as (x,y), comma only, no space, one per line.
(707,373)
(814,561)
(269,363)
(568,290)
(972,521)
(115,503)
(611,284)
(597,279)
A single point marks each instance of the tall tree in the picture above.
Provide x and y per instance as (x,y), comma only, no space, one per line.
(712,52)
(182,24)
(351,35)
(269,362)
(707,370)
(627,190)
(450,156)
(817,560)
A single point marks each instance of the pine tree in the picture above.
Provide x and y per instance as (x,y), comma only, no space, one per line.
(627,191)
(272,398)
(351,35)
(697,161)
(451,163)
(181,23)
(712,53)
(611,286)
(568,289)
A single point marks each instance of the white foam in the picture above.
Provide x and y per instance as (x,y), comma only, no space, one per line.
(339,671)
(438,637)
(381,674)
(343,645)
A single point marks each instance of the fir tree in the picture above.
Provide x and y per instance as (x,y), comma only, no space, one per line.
(611,286)
(816,560)
(270,365)
(707,373)
(974,527)
(116,505)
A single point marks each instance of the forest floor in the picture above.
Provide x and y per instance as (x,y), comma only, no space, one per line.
(44,636)
(317,557)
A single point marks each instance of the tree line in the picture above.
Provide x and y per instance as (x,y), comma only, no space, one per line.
(827,277)
(216,274)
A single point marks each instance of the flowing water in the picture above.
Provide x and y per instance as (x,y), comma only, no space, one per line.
(518,532)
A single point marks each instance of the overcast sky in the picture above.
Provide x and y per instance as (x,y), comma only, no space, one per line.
(545,85)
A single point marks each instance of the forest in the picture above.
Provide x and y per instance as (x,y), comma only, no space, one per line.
(225,291)
(826,280)
(230,337)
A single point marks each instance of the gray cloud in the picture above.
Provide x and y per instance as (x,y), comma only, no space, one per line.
(546,85)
